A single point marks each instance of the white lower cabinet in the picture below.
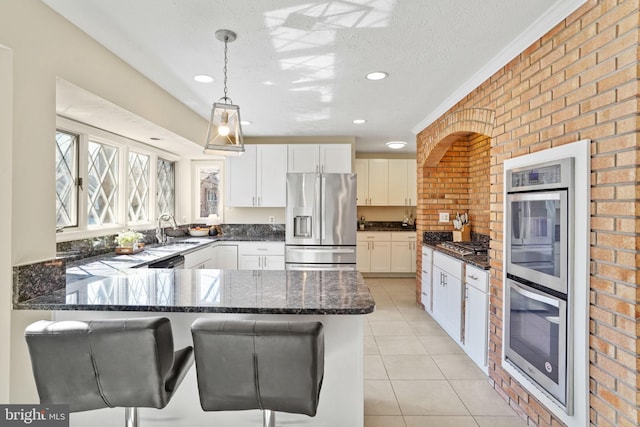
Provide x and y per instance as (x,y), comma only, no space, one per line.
(476,314)
(373,252)
(447,294)
(261,256)
(386,252)
(199,259)
(403,252)
(225,257)
(427,271)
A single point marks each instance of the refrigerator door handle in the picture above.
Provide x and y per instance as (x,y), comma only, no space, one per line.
(323,251)
(323,207)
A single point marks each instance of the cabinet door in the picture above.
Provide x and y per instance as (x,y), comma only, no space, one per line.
(273,262)
(362,172)
(476,325)
(240,179)
(226,257)
(250,262)
(380,257)
(412,183)
(402,260)
(447,302)
(378,182)
(303,158)
(271,175)
(363,257)
(335,158)
(398,183)
(454,304)
(438,296)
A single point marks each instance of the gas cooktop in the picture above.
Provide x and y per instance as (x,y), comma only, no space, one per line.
(465,248)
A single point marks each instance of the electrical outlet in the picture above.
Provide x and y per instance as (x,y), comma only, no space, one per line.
(444,217)
(272,220)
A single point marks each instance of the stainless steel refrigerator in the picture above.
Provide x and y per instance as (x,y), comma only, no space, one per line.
(321,222)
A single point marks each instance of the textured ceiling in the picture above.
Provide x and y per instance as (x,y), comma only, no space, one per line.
(298,67)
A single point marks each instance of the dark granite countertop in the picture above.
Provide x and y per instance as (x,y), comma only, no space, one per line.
(386,226)
(101,264)
(213,291)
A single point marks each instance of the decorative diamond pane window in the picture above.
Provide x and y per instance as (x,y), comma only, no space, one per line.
(166,186)
(66,179)
(209,191)
(138,187)
(103,184)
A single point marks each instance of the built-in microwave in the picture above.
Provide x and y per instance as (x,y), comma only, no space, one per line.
(537,223)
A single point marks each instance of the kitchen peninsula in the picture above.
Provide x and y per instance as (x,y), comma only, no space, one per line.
(337,299)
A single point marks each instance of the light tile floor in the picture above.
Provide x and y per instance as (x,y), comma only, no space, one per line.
(415,375)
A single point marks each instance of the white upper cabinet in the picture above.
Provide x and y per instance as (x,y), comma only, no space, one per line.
(402,182)
(258,178)
(386,182)
(316,158)
(373,182)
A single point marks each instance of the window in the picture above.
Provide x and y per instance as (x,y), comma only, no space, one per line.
(166,184)
(209,191)
(105,182)
(66,179)
(207,180)
(138,187)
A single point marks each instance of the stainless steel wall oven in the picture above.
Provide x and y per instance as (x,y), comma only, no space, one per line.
(538,252)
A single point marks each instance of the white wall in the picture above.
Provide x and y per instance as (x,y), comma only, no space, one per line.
(46,46)
(6,100)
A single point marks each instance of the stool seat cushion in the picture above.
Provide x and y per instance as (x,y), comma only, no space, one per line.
(106,363)
(246,364)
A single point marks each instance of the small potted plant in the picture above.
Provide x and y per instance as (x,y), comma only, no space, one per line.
(128,241)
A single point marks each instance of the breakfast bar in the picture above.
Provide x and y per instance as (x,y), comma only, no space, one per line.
(337,299)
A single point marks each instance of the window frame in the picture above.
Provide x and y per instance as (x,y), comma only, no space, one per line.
(124,145)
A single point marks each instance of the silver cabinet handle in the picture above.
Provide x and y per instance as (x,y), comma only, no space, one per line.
(253,201)
(472,277)
(266,262)
(258,200)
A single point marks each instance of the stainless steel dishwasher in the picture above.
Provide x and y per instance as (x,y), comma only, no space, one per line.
(173,262)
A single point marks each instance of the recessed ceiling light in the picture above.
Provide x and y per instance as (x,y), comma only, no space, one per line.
(245,122)
(359,121)
(377,75)
(396,145)
(203,78)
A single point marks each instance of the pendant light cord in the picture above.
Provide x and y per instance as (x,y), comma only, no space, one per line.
(226,98)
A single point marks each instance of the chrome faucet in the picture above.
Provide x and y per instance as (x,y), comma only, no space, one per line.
(160,234)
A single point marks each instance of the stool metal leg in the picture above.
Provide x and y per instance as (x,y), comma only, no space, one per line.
(268,418)
(131,417)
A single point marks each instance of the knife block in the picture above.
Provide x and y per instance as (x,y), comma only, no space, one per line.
(462,235)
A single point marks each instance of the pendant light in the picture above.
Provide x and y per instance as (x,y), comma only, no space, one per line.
(224,135)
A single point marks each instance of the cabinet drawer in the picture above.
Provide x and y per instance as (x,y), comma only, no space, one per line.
(427,255)
(373,236)
(261,248)
(477,278)
(449,265)
(403,236)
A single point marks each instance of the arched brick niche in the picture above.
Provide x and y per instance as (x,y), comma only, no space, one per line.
(454,169)
(435,141)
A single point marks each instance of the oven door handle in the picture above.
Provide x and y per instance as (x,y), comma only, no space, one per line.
(535,296)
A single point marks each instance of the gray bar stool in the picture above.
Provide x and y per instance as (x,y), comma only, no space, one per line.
(111,363)
(272,366)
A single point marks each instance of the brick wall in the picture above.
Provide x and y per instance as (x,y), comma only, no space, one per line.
(459,183)
(579,81)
